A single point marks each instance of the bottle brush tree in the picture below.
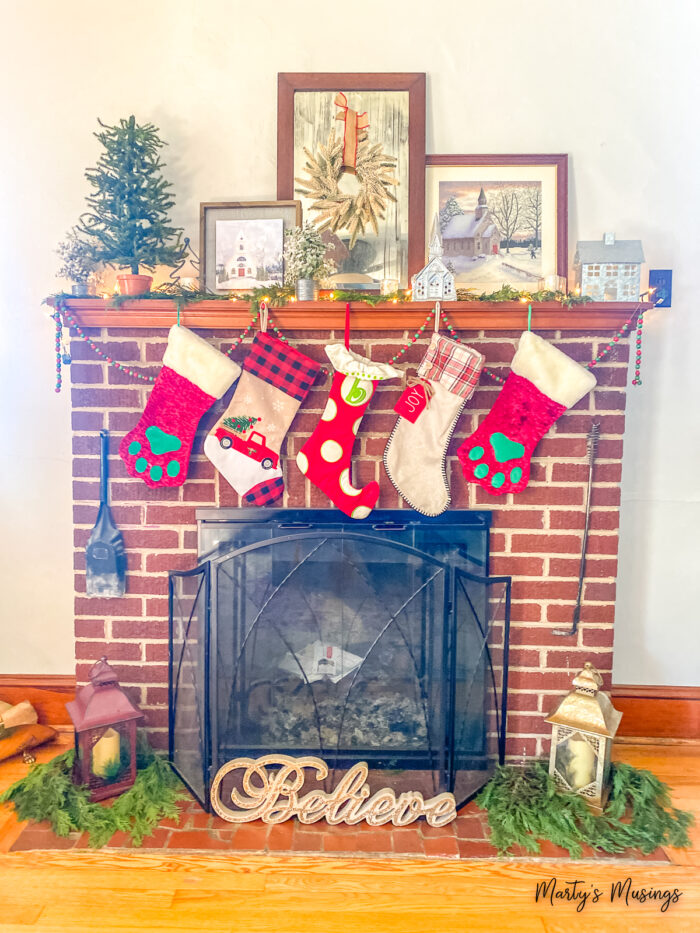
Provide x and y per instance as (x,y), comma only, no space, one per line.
(128,223)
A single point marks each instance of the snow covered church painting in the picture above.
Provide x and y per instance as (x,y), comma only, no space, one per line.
(471,233)
(492,232)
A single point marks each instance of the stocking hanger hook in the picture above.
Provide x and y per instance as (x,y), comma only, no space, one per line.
(264,313)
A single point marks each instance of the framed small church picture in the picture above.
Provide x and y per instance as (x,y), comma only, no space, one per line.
(352,147)
(502,218)
(241,244)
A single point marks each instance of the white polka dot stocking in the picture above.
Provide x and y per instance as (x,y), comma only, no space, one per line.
(325,457)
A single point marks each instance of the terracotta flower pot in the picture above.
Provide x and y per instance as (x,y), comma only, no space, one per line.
(133,284)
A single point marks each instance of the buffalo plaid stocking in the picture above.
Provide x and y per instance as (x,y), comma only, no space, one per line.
(415,455)
(244,445)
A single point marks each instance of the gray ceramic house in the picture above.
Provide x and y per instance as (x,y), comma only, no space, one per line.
(609,269)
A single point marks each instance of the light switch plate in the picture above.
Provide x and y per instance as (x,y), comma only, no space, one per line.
(661,280)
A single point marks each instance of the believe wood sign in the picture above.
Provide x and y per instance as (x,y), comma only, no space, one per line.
(273,796)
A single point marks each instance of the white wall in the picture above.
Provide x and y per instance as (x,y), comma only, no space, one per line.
(612,82)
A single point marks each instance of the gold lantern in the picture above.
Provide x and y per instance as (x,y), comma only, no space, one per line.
(583,728)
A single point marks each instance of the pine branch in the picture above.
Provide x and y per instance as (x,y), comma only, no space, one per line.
(524,805)
(48,793)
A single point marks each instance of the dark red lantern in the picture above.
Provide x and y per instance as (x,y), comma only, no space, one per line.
(105,734)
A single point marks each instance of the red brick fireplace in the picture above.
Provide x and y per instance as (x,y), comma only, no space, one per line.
(536,536)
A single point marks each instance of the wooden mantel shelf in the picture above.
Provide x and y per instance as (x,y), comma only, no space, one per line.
(330,315)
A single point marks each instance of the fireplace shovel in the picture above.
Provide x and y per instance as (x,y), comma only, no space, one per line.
(105,557)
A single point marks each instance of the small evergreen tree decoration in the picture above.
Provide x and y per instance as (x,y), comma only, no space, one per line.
(128,223)
(240,423)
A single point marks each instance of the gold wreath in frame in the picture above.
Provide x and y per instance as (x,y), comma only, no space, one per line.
(337,210)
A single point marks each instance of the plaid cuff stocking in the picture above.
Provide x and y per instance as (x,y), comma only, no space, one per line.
(415,456)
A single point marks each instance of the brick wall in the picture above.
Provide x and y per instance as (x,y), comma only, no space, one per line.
(536,535)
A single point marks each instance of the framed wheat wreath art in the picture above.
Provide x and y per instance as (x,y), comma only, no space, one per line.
(352,148)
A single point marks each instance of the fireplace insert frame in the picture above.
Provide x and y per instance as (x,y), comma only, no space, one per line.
(283,526)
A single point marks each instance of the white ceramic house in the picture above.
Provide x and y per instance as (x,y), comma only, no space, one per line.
(434,282)
(609,269)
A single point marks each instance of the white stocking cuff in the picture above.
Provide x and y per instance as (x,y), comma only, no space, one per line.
(351,364)
(554,373)
(193,358)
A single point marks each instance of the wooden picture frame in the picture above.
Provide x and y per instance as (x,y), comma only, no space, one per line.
(289,212)
(404,254)
(466,173)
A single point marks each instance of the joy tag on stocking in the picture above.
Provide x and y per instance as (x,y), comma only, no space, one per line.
(412,402)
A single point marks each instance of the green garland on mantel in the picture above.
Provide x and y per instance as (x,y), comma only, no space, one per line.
(279,295)
(524,805)
(48,793)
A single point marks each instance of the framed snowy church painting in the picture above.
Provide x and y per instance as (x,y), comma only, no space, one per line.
(502,218)
(241,244)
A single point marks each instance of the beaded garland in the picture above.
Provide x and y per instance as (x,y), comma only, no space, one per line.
(626,327)
(62,309)
(622,332)
(59,356)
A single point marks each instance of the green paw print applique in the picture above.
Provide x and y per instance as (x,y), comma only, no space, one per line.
(156,442)
(495,467)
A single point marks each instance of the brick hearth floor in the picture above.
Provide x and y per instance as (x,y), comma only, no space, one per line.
(196,830)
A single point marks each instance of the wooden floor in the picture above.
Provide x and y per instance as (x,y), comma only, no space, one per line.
(66,892)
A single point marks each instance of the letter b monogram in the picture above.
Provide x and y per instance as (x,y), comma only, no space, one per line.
(355,391)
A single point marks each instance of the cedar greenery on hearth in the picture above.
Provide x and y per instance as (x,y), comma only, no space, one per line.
(48,793)
(524,804)
(128,222)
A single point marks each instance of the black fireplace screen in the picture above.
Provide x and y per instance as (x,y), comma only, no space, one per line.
(303,633)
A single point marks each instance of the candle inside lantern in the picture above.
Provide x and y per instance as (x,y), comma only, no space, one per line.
(580,769)
(106,753)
